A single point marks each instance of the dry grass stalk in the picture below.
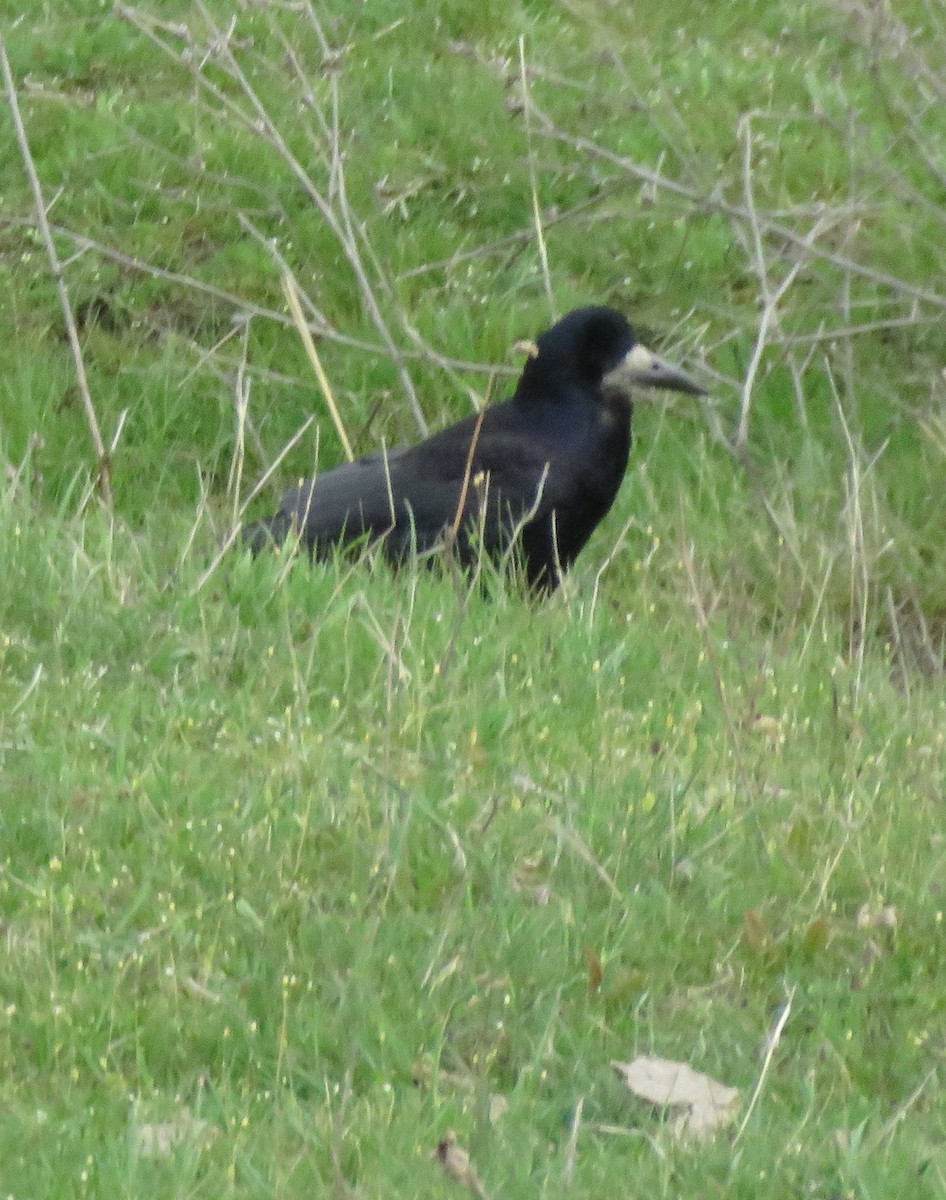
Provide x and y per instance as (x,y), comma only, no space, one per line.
(104,465)
(291,289)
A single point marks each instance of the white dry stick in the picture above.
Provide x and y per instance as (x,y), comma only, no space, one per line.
(890,1128)
(524,520)
(567,834)
(609,559)
(860,573)
(104,465)
(774,1038)
(249,308)
(571,1147)
(242,399)
(536,213)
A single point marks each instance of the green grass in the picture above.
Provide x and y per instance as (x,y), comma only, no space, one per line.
(319,862)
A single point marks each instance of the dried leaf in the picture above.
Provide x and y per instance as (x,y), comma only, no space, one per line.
(684,870)
(530,880)
(595,970)
(706,1104)
(755,936)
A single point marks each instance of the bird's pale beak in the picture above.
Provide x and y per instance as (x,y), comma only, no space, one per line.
(641,366)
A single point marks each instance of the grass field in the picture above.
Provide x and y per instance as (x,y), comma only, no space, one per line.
(303,866)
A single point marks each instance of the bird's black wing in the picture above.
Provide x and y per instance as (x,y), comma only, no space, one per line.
(531,480)
(411,495)
(349,501)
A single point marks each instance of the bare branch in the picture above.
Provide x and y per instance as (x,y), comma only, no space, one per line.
(715,202)
(771,297)
(536,212)
(104,466)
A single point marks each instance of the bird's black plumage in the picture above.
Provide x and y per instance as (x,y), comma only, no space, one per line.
(537,472)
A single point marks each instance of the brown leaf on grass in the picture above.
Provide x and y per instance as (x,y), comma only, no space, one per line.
(755,936)
(705,1103)
(595,970)
(457,1166)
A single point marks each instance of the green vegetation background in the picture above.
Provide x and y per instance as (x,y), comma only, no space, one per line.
(302,866)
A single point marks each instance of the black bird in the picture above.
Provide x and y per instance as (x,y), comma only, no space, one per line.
(533,475)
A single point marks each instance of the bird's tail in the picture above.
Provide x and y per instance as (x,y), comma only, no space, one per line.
(271,532)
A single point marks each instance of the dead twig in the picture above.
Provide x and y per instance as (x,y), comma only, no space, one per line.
(571,1146)
(242,386)
(536,211)
(771,296)
(711,202)
(464,489)
(104,466)
(245,307)
(771,1046)
(334,207)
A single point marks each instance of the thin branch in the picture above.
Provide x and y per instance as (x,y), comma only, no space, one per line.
(248,307)
(242,385)
(771,297)
(536,211)
(571,1146)
(262,125)
(714,202)
(552,215)
(340,223)
(104,466)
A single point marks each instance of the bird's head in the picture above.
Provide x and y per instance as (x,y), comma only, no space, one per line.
(596,347)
